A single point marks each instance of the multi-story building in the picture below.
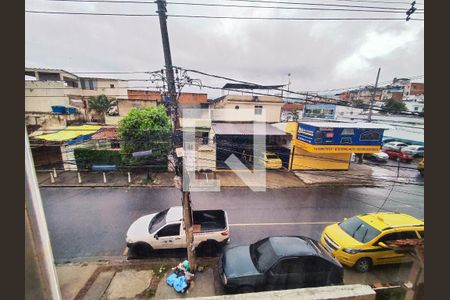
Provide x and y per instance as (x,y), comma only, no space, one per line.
(236,108)
(45,88)
(414,89)
(392,92)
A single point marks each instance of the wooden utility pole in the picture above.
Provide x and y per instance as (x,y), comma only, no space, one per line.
(177,134)
(369,118)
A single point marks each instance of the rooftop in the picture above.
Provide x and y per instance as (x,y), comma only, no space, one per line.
(69,133)
(246,129)
(348,125)
(383,220)
(106,134)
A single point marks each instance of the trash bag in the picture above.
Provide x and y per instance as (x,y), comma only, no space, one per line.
(180,285)
(171,279)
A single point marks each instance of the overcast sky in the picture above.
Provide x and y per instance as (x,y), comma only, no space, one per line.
(318,54)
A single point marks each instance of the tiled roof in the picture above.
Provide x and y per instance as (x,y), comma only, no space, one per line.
(106,134)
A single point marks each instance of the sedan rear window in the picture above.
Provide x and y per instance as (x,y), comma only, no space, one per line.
(359,230)
(263,255)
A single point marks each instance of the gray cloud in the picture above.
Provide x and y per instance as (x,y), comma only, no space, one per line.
(319,55)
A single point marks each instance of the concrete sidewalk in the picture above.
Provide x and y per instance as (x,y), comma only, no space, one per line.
(113,179)
(139,279)
(357,175)
(145,279)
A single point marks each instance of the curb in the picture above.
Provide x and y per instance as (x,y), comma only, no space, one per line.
(103,186)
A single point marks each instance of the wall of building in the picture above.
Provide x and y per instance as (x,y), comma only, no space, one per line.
(304,160)
(125,106)
(40,96)
(246,112)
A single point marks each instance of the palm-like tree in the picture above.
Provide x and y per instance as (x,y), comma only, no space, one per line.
(101,104)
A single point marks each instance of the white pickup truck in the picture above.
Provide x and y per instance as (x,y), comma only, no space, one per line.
(165,230)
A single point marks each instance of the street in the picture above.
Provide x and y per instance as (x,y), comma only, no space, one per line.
(92,222)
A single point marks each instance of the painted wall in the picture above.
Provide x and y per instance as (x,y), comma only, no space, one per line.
(245,112)
(125,106)
(304,160)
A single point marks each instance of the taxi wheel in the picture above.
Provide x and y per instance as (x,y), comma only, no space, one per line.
(363,264)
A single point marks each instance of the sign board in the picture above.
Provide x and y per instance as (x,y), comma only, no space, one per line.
(320,111)
(340,138)
(336,148)
(141,153)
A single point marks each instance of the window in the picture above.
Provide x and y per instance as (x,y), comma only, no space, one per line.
(348,131)
(158,221)
(398,236)
(88,84)
(288,266)
(359,230)
(111,85)
(346,140)
(369,135)
(115,145)
(416,108)
(205,138)
(170,230)
(258,110)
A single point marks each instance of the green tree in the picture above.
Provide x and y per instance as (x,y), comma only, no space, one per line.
(358,103)
(394,106)
(145,129)
(101,104)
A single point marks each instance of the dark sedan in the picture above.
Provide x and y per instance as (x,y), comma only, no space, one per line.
(279,262)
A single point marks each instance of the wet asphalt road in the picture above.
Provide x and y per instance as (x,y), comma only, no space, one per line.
(92,222)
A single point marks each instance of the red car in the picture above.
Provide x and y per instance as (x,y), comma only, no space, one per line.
(402,156)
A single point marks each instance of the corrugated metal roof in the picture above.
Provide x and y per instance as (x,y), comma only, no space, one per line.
(246,129)
(69,133)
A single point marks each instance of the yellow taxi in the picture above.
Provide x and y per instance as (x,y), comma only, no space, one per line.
(271,160)
(421,167)
(359,241)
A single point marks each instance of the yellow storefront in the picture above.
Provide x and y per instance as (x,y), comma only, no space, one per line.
(315,145)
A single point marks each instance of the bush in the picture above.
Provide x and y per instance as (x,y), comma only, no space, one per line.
(85,158)
(146,129)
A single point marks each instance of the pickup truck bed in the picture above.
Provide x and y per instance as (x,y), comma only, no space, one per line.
(209,220)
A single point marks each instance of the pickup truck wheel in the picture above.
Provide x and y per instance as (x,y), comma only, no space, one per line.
(208,248)
(141,250)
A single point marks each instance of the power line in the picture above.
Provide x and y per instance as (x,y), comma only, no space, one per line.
(216,17)
(383,2)
(382,10)
(317,4)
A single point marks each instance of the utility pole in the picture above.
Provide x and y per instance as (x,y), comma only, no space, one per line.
(369,118)
(177,140)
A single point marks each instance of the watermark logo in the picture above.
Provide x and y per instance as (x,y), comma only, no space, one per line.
(235,150)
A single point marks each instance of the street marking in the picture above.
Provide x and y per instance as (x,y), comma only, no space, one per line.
(281,224)
(125,251)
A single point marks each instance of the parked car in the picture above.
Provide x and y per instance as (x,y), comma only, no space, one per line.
(396,146)
(378,156)
(359,242)
(421,167)
(398,155)
(278,262)
(271,160)
(414,150)
(164,230)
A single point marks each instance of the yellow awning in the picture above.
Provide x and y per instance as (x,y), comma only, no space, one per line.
(69,133)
